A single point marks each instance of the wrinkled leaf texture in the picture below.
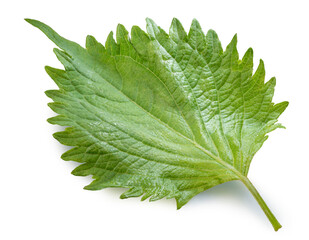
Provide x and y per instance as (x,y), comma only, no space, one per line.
(164,115)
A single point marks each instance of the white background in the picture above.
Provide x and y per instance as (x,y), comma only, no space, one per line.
(40,199)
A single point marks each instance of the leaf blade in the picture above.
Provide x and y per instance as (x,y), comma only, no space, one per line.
(164,115)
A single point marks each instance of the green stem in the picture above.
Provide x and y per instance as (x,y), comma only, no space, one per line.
(262,204)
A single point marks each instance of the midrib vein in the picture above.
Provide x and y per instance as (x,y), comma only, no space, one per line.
(155,75)
(130,44)
(205,151)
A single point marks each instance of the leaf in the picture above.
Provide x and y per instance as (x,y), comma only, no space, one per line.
(164,115)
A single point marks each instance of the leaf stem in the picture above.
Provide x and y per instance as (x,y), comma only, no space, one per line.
(262,204)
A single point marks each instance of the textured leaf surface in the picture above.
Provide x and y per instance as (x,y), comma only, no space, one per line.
(164,115)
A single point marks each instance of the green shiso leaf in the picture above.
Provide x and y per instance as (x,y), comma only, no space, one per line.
(164,115)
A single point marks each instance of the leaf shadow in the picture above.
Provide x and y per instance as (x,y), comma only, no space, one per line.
(234,192)
(232,189)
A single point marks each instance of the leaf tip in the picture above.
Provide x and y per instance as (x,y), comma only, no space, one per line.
(123,196)
(135,29)
(195,25)
(175,21)
(42,26)
(87,187)
(90,40)
(181,201)
(31,21)
(149,21)
(211,32)
(151,27)
(56,50)
(234,39)
(272,81)
(286,104)
(179,204)
(250,51)
(56,135)
(50,104)
(195,22)
(111,34)
(261,63)
(122,35)
(94,185)
(49,93)
(49,120)
(47,68)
